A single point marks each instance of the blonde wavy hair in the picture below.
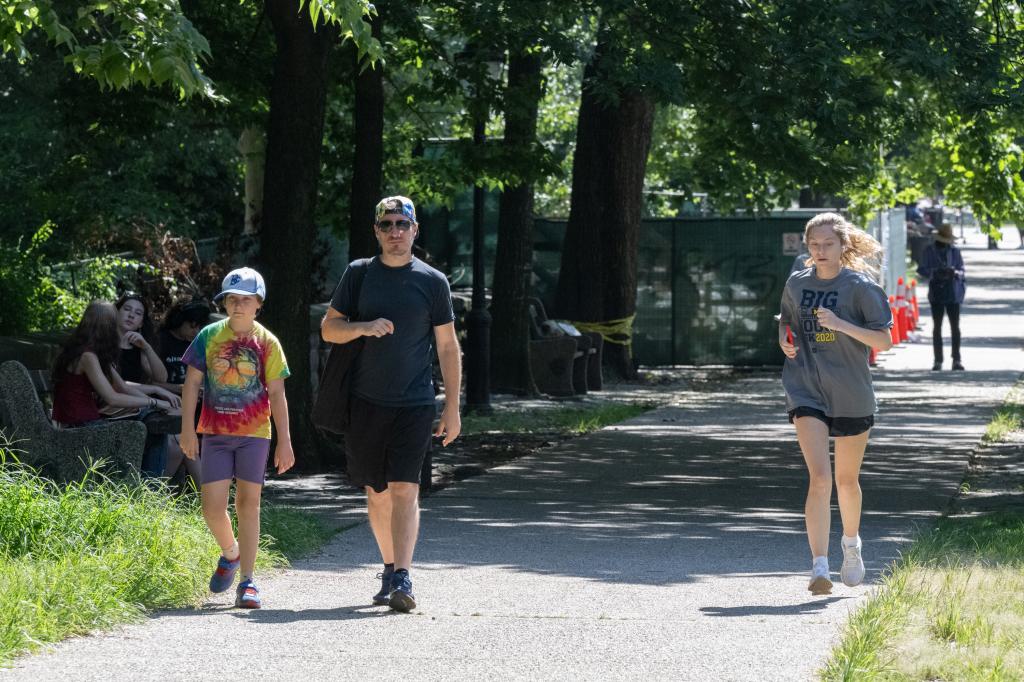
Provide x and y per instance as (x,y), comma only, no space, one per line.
(861,251)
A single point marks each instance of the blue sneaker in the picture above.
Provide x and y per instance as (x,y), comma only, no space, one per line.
(247,595)
(401,598)
(224,576)
(383,598)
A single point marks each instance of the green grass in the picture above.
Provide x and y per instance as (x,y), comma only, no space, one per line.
(569,420)
(1008,418)
(952,607)
(96,553)
(293,532)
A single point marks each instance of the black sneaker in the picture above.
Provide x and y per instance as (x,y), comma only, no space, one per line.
(937,366)
(958,366)
(402,598)
(383,597)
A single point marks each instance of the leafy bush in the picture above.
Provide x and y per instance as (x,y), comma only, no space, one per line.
(39,296)
(20,277)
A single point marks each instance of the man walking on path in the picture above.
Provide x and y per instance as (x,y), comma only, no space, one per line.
(401,305)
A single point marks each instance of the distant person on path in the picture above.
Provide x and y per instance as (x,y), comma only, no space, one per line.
(241,369)
(85,372)
(943,266)
(403,309)
(836,313)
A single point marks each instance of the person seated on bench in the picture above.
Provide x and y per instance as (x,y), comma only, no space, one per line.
(86,370)
(138,363)
(181,324)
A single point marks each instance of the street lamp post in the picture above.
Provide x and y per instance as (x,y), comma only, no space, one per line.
(478,319)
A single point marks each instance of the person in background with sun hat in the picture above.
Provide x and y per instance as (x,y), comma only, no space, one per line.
(942,265)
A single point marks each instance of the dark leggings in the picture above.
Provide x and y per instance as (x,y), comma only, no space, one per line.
(938,311)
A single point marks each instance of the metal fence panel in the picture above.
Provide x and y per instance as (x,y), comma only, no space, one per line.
(896,248)
(707,288)
(728,280)
(890,229)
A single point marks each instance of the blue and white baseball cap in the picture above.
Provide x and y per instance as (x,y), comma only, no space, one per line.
(396,204)
(243,281)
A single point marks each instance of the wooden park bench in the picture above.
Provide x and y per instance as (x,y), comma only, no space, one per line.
(63,454)
(563,364)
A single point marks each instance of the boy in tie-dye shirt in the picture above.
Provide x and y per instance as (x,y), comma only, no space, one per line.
(236,369)
(241,368)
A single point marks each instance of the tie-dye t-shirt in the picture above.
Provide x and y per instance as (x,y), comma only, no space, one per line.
(236,372)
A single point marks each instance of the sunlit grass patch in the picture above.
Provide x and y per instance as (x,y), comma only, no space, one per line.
(1008,418)
(863,653)
(966,623)
(557,418)
(96,553)
(293,532)
(951,609)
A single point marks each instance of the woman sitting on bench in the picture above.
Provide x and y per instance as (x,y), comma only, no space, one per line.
(138,363)
(85,373)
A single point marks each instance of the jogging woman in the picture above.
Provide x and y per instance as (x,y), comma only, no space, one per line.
(832,313)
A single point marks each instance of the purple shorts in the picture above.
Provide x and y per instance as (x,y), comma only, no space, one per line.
(222,458)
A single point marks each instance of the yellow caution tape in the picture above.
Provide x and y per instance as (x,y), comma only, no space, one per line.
(613,331)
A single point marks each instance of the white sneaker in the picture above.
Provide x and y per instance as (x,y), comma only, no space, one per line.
(852,572)
(820,581)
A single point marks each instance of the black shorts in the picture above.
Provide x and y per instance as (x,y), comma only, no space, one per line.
(838,427)
(387,444)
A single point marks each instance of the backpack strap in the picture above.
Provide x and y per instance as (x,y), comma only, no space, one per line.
(358,274)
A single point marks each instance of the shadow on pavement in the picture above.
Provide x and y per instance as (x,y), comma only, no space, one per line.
(767,610)
(704,488)
(270,615)
(714,486)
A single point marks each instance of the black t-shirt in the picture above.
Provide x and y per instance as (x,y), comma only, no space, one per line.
(129,365)
(394,370)
(171,350)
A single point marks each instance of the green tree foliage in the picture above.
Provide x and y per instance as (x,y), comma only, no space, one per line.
(119,43)
(40,296)
(834,96)
(99,165)
(964,141)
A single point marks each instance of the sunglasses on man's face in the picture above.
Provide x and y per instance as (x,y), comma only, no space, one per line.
(386,226)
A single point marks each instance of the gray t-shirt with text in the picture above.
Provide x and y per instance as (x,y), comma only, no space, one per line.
(394,370)
(830,371)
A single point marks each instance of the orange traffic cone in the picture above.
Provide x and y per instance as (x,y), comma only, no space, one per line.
(901,309)
(894,331)
(913,303)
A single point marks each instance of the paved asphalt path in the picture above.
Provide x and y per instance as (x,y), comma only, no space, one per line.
(668,547)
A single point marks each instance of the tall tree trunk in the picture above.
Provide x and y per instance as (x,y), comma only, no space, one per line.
(597,281)
(510,337)
(368,164)
(294,138)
